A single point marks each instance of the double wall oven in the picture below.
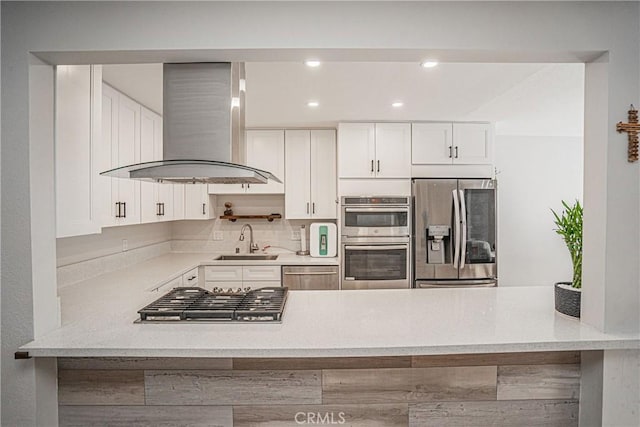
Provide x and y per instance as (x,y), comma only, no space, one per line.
(376,242)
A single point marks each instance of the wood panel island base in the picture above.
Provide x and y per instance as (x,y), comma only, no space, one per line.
(506,389)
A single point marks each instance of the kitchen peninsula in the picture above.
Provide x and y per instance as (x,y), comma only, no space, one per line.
(392,357)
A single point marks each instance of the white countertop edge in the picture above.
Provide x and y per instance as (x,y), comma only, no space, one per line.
(614,344)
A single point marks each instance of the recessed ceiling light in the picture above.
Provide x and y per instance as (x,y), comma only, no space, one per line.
(397,104)
(312,104)
(312,63)
(429,64)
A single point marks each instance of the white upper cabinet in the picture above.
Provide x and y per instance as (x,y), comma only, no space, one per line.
(452,143)
(374,150)
(264,150)
(393,150)
(157,200)
(125,150)
(356,150)
(310,167)
(77,143)
(197,203)
(431,143)
(472,143)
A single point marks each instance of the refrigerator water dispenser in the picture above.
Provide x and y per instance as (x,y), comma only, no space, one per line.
(437,240)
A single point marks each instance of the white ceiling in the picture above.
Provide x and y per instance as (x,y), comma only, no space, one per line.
(523,99)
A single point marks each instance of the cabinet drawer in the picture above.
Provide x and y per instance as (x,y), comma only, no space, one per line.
(190,278)
(261,272)
(261,284)
(223,273)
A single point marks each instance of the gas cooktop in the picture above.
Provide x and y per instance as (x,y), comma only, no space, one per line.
(199,305)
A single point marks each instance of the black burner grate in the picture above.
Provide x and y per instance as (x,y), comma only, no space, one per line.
(264,304)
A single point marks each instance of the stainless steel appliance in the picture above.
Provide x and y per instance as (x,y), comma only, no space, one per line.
(191,304)
(316,277)
(376,243)
(367,216)
(203,128)
(454,232)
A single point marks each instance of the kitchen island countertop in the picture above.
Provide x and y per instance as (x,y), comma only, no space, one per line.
(98,316)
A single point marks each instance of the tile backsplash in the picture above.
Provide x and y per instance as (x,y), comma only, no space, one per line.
(190,236)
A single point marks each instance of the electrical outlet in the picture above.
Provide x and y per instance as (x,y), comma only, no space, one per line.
(218,235)
(125,245)
(295,235)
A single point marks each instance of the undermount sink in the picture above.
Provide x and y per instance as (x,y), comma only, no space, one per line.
(245,257)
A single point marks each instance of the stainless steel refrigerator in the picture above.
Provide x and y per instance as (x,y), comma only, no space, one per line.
(454,232)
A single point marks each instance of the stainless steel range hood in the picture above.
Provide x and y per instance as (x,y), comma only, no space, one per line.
(203,132)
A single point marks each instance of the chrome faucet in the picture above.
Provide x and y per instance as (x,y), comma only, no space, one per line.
(252,245)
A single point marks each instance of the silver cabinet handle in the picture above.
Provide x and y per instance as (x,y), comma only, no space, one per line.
(118,206)
(456,151)
(313,210)
(371,166)
(451,151)
(378,165)
(124,205)
(158,209)
(203,212)
(307,207)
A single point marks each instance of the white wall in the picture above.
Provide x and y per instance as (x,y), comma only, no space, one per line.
(534,174)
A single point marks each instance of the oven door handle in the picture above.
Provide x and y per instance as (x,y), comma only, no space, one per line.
(385,209)
(456,228)
(376,247)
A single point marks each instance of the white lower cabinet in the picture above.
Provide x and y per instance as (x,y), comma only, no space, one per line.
(246,276)
(190,278)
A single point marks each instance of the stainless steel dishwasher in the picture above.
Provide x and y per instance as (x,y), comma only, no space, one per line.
(307,278)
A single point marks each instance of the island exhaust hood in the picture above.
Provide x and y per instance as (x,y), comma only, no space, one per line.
(203,129)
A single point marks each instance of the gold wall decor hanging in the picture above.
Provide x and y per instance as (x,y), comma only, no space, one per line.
(632,129)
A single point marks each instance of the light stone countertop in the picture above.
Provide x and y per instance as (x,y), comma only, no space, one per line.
(98,318)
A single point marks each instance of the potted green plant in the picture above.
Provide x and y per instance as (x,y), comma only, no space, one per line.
(569,223)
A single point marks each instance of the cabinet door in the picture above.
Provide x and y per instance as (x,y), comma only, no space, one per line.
(265,150)
(473,143)
(128,153)
(393,150)
(197,203)
(356,150)
(323,174)
(178,201)
(149,209)
(431,143)
(260,272)
(74,149)
(109,159)
(297,196)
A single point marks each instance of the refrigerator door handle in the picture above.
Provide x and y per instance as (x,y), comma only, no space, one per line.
(463,241)
(456,228)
